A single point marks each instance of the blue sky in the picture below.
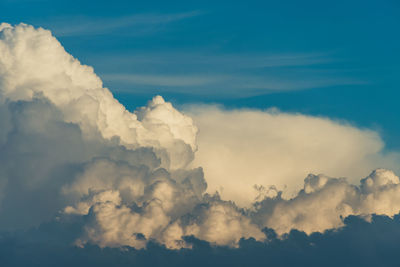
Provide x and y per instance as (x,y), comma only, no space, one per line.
(338,59)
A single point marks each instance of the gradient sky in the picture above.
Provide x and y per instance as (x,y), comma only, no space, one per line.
(338,59)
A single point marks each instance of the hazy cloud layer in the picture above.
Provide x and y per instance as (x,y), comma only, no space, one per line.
(70,153)
(252,147)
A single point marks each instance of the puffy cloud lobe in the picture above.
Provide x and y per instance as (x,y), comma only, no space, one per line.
(126,177)
(111,224)
(325,201)
(222,223)
(124,202)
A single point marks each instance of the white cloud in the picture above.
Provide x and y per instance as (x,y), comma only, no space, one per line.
(325,201)
(242,148)
(34,62)
(69,149)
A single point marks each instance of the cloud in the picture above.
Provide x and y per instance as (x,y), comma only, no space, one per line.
(133,24)
(74,88)
(358,243)
(227,75)
(72,158)
(253,147)
(376,194)
(221,85)
(202,60)
(128,178)
(163,80)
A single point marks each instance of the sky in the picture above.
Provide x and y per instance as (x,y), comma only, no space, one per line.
(179,133)
(337,59)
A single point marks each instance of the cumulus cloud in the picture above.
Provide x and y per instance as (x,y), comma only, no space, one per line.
(124,172)
(324,202)
(33,63)
(70,152)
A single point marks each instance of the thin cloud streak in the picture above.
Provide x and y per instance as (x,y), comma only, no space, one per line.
(224,75)
(164,80)
(227,61)
(227,85)
(143,23)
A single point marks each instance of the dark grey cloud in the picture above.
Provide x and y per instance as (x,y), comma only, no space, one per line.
(358,243)
(40,154)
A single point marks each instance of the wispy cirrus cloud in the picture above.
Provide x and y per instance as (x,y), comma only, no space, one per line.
(223,75)
(200,60)
(231,85)
(133,24)
(201,72)
(165,80)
